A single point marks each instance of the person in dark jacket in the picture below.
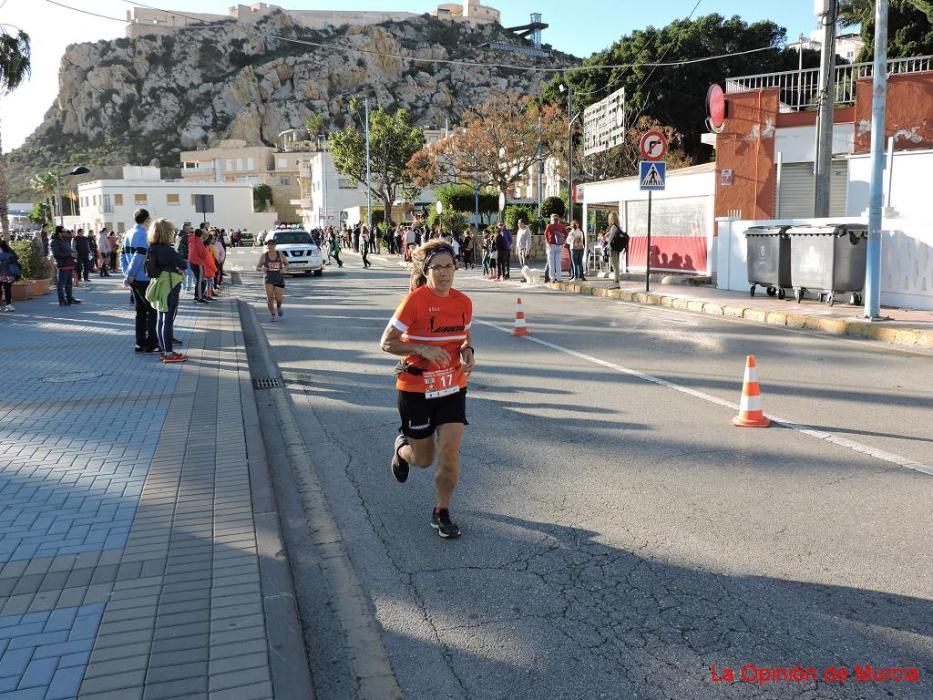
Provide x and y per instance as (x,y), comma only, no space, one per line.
(82,255)
(7,276)
(164,259)
(65,262)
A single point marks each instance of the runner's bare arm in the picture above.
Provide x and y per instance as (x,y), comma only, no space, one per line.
(260,267)
(467,354)
(393,344)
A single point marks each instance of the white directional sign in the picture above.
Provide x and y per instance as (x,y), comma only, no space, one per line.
(604,124)
(652,174)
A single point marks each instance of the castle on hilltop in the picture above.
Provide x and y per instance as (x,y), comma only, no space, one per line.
(142,20)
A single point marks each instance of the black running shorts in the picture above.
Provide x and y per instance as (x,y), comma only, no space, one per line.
(421,416)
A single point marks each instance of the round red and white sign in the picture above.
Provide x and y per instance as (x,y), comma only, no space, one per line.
(653,145)
(716,108)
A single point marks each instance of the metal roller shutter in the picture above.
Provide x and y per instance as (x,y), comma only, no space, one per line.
(795,195)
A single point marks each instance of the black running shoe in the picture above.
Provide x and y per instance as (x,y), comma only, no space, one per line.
(399,465)
(440,521)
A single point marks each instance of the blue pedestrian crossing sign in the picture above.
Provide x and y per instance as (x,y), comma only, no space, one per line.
(652,174)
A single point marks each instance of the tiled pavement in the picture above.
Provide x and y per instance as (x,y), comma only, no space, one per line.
(128,549)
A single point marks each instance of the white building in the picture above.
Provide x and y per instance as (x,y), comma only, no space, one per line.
(110,203)
(325,192)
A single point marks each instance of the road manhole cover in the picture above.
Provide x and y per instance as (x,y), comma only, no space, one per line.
(71,377)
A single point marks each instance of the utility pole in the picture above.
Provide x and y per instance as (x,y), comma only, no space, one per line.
(369,189)
(569,154)
(879,95)
(823,155)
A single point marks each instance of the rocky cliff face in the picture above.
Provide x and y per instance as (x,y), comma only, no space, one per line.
(128,101)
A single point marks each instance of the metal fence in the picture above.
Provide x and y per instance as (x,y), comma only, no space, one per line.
(800,89)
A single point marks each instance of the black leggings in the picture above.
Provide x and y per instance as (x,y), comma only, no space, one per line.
(7,289)
(165,321)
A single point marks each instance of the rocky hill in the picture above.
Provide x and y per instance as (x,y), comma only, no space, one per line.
(132,100)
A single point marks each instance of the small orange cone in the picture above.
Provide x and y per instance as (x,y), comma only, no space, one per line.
(520,327)
(750,413)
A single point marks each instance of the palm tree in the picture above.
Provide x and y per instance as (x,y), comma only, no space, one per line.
(14,69)
(46,184)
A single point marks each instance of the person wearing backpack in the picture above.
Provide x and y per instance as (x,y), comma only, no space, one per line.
(9,273)
(617,240)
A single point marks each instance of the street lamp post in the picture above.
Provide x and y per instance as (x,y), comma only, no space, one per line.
(570,120)
(369,189)
(79,170)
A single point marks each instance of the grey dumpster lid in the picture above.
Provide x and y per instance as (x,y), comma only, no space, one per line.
(765,230)
(828,230)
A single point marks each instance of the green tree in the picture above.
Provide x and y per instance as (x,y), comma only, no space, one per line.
(15,65)
(910,26)
(41,213)
(462,198)
(526,213)
(46,185)
(553,205)
(262,197)
(675,95)
(393,138)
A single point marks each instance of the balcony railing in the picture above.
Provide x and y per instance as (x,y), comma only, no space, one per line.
(801,89)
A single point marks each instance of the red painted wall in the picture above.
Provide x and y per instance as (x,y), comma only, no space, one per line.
(750,157)
(909,108)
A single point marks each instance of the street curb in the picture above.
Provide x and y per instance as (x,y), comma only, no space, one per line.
(915,338)
(310,531)
(288,658)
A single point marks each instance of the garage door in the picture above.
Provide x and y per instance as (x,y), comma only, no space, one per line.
(795,191)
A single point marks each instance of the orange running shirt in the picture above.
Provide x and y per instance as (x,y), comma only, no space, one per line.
(428,319)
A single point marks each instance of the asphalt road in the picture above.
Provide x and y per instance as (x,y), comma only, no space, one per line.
(620,536)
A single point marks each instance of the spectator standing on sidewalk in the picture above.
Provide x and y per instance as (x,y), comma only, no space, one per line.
(83,255)
(135,247)
(617,243)
(165,268)
(9,267)
(197,254)
(65,262)
(505,252)
(554,236)
(523,243)
(103,250)
(576,241)
(114,249)
(209,268)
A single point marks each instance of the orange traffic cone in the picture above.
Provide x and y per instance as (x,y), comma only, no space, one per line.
(520,327)
(750,413)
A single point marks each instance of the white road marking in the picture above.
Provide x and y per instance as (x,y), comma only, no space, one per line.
(803,429)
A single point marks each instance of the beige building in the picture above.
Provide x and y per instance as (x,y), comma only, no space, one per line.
(232,160)
(142,20)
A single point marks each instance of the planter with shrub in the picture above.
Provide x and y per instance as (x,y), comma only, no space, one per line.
(36,270)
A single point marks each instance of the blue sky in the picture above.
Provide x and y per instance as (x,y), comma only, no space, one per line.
(579,27)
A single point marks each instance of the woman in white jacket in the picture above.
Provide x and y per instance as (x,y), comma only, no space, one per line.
(103,253)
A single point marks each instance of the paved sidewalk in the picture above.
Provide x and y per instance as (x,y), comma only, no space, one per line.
(130,562)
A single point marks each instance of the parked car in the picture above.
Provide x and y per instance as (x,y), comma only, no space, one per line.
(304,255)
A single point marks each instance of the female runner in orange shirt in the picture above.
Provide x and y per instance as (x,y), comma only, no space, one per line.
(431,330)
